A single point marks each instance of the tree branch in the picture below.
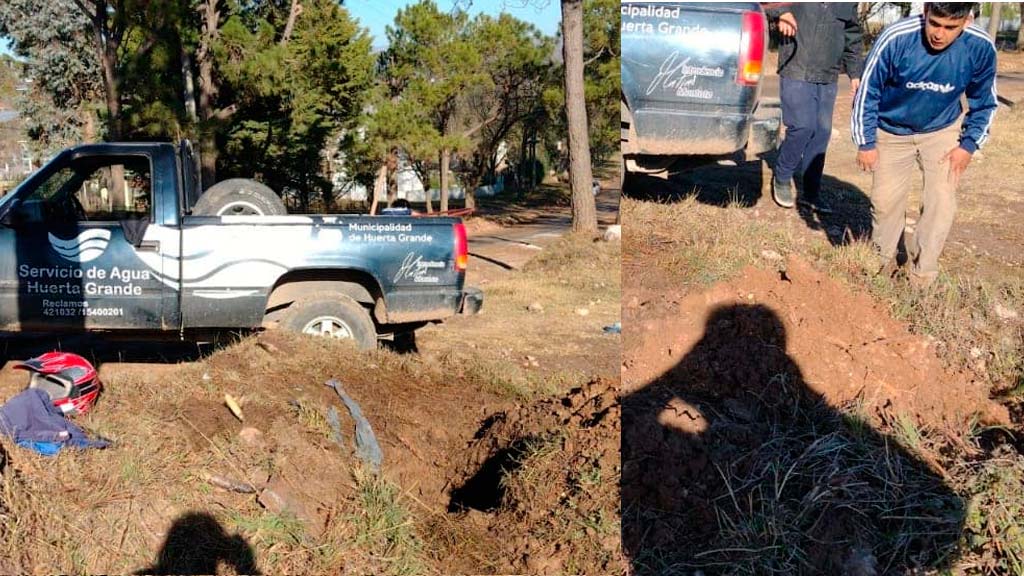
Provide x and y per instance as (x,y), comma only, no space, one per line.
(91,16)
(293,14)
(596,56)
(225,113)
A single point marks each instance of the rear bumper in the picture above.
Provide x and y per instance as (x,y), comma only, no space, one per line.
(689,133)
(472,300)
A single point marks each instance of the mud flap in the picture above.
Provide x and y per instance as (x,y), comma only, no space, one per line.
(472,301)
(763,134)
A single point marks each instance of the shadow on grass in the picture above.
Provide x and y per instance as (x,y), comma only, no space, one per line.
(737,182)
(197,544)
(731,464)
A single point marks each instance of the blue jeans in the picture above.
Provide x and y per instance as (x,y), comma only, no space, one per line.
(807,113)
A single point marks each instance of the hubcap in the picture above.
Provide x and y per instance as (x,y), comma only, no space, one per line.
(330,326)
(240,208)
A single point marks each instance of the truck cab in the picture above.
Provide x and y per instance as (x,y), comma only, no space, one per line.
(691,83)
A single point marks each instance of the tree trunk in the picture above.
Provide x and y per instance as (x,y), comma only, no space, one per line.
(1020,29)
(293,14)
(584,211)
(88,123)
(190,91)
(392,181)
(993,21)
(446,156)
(379,185)
(208,90)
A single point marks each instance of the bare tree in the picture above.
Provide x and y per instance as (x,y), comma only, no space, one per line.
(993,20)
(1020,29)
(584,211)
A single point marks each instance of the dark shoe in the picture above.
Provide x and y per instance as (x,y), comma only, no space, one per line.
(783,193)
(815,205)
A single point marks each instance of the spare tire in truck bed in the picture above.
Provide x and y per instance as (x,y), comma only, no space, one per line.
(239,197)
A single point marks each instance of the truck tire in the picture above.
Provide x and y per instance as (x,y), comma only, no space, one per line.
(331,314)
(239,197)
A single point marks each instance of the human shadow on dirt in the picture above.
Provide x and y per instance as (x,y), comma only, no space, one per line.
(736,182)
(731,464)
(197,544)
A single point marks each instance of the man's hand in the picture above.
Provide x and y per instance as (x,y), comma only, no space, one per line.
(958,159)
(787,24)
(854,84)
(867,159)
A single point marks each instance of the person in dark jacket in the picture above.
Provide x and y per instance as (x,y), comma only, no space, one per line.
(905,118)
(818,37)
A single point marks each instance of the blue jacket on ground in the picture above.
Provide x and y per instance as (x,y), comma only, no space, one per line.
(31,419)
(907,88)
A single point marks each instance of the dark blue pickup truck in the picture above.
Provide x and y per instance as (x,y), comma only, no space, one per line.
(104,238)
(691,83)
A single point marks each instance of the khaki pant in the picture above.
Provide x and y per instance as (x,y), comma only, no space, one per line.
(897,158)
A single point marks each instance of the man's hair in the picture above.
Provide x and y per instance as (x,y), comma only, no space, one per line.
(955,10)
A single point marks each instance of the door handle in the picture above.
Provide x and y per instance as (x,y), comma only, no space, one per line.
(149,246)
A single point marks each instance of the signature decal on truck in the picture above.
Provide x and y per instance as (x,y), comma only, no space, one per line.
(88,245)
(679,77)
(415,268)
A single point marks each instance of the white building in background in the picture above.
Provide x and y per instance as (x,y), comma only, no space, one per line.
(410,186)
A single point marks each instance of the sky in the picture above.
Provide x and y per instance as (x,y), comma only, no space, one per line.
(377,14)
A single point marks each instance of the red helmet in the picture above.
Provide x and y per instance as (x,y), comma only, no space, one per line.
(69,380)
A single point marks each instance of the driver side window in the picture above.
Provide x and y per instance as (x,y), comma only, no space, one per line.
(92,189)
(116,192)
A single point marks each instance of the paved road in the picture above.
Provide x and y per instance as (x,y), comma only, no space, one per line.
(511,247)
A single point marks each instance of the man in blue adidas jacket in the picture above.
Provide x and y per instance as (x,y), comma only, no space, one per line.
(905,115)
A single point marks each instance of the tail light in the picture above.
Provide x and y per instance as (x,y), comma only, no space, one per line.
(461,247)
(752,42)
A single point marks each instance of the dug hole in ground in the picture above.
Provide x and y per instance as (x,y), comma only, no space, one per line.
(499,437)
(787,411)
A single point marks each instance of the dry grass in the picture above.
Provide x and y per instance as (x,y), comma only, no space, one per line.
(110,511)
(567,348)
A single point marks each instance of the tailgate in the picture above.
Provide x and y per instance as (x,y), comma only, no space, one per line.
(683,55)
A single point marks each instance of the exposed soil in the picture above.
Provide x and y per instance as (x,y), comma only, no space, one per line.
(543,471)
(845,345)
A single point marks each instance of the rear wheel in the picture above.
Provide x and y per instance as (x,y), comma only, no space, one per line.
(239,197)
(331,315)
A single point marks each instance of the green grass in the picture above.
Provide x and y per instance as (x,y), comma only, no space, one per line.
(385,528)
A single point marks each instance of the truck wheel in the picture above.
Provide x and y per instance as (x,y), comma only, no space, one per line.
(239,197)
(333,315)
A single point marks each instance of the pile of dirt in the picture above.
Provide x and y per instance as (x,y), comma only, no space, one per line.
(544,475)
(779,423)
(843,345)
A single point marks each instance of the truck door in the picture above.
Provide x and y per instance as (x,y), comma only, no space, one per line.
(75,250)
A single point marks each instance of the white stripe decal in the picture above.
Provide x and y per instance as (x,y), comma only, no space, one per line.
(857,118)
(995,94)
(225,294)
